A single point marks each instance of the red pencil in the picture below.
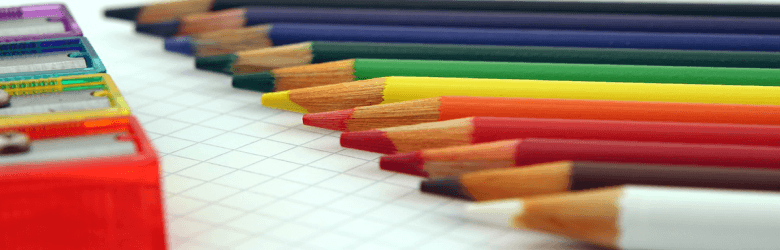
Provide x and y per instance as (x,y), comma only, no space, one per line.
(501,154)
(485,129)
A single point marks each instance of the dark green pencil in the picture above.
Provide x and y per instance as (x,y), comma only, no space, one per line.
(252,61)
(362,69)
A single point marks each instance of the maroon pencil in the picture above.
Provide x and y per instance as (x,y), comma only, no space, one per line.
(501,154)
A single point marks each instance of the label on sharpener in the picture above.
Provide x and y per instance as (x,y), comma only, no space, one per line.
(72,148)
(33,26)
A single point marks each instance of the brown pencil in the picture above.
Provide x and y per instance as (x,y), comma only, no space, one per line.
(475,130)
(560,177)
(646,217)
(13,143)
(503,154)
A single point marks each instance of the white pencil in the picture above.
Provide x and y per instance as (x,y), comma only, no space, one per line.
(645,217)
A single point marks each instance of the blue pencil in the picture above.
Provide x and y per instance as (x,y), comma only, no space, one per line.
(237,18)
(288,33)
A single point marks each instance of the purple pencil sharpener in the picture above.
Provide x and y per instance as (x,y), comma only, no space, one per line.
(36,22)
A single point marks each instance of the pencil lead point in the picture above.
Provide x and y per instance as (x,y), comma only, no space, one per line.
(408,163)
(281,100)
(447,186)
(5,98)
(183,45)
(218,63)
(497,213)
(129,13)
(333,120)
(163,29)
(263,81)
(371,140)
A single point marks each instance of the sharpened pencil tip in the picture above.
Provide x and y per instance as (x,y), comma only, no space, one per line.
(281,100)
(182,45)
(163,29)
(5,98)
(408,163)
(447,186)
(263,81)
(129,13)
(218,63)
(372,140)
(497,213)
(333,120)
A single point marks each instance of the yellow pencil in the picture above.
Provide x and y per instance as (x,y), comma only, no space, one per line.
(397,89)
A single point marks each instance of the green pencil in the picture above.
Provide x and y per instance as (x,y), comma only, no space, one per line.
(258,60)
(361,69)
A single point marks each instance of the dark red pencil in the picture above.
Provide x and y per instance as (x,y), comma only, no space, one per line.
(501,154)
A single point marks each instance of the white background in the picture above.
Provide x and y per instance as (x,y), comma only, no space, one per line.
(240,176)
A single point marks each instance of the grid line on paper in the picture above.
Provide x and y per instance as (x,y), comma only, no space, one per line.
(240,176)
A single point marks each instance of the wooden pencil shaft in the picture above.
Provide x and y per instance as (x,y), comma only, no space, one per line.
(549,178)
(674,218)
(475,130)
(455,107)
(290,33)
(361,69)
(334,51)
(171,10)
(546,178)
(235,18)
(503,154)
(681,8)
(397,89)
(589,175)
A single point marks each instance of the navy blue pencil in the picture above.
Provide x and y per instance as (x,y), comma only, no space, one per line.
(287,33)
(237,18)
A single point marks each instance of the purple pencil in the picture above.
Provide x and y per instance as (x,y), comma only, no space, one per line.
(237,18)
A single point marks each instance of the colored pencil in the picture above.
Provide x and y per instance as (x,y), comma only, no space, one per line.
(288,33)
(243,17)
(503,154)
(567,176)
(14,143)
(474,130)
(397,89)
(646,217)
(362,69)
(454,107)
(5,98)
(166,11)
(263,59)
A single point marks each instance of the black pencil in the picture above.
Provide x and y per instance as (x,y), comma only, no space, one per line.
(167,11)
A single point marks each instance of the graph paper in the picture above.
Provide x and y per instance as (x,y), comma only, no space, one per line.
(240,176)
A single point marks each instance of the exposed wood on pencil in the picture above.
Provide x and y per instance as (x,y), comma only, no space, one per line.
(228,41)
(165,11)
(5,98)
(557,177)
(14,143)
(474,130)
(546,178)
(378,116)
(212,21)
(337,96)
(502,154)
(265,59)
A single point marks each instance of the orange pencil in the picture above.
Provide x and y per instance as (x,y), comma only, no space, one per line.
(455,107)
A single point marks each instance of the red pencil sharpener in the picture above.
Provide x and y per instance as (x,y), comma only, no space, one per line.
(90,184)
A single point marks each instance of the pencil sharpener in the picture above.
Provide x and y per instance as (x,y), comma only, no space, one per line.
(89,184)
(35,22)
(48,58)
(60,99)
